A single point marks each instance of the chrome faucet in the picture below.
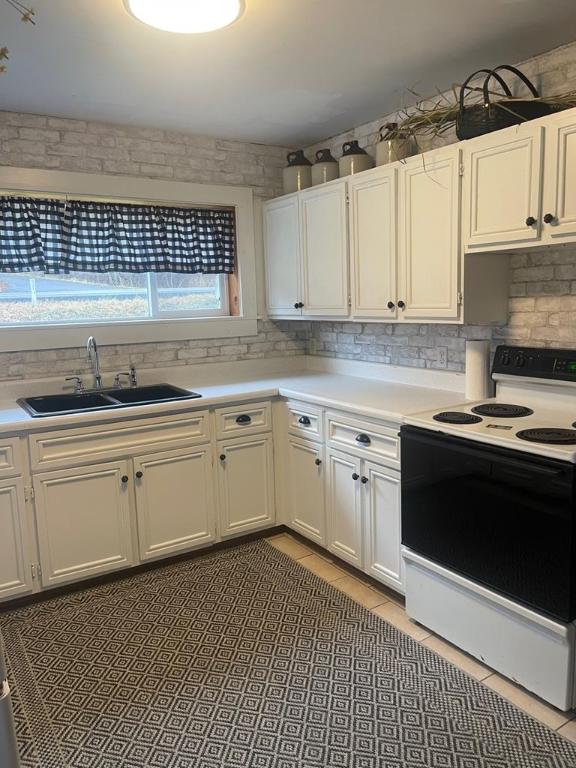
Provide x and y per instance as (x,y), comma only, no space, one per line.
(92,349)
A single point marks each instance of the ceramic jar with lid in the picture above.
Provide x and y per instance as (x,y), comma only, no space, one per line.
(325,168)
(394,145)
(298,173)
(354,159)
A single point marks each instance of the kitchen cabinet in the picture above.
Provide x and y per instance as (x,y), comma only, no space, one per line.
(559,207)
(382,521)
(373,245)
(306,247)
(429,236)
(15,546)
(305,489)
(503,187)
(246,484)
(175,506)
(83,521)
(283,259)
(344,511)
(324,242)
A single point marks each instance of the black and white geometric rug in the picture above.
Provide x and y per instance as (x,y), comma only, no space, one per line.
(244,659)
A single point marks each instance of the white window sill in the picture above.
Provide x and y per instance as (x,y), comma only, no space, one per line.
(135,332)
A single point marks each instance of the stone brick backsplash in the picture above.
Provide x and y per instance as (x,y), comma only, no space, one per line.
(542,313)
(39,141)
(273,340)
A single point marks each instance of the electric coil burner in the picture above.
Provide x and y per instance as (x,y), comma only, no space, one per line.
(456,417)
(548,435)
(502,410)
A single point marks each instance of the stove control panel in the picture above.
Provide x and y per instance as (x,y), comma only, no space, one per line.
(535,363)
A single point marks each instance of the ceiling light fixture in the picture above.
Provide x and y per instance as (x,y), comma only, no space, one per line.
(186,16)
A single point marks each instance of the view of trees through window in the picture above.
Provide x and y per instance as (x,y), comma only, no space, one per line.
(34,298)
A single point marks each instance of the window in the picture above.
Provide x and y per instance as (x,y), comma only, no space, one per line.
(81,297)
(80,261)
(48,303)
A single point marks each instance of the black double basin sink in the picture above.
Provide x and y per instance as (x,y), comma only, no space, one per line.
(105,399)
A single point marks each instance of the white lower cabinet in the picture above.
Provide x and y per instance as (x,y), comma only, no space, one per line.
(306,489)
(382,526)
(246,484)
(83,521)
(344,509)
(15,554)
(174,501)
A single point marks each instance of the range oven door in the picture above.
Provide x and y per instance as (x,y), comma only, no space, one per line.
(502,518)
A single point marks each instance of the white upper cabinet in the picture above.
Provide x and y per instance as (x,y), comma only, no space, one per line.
(559,210)
(373,251)
(174,501)
(283,263)
(324,241)
(503,185)
(429,236)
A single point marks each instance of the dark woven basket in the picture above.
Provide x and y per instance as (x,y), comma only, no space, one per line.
(478,119)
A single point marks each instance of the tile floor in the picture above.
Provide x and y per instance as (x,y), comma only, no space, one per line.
(384,603)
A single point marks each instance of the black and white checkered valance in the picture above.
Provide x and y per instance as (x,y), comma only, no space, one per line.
(57,236)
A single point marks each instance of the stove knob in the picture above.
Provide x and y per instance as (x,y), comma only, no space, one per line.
(520,361)
(505,360)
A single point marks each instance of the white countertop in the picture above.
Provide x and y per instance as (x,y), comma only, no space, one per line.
(363,396)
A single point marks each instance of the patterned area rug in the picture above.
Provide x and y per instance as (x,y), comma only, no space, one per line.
(245,659)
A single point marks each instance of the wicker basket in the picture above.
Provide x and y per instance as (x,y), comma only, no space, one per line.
(478,119)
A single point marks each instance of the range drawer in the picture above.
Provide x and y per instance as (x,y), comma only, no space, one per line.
(374,441)
(67,447)
(304,420)
(11,459)
(247,419)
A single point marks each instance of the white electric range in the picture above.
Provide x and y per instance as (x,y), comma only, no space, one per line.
(489,521)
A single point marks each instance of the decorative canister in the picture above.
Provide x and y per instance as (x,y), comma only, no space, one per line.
(354,159)
(298,174)
(325,168)
(394,145)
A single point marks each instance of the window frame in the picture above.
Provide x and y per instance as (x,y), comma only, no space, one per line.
(128,189)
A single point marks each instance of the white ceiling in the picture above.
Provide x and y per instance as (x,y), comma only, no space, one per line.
(289,72)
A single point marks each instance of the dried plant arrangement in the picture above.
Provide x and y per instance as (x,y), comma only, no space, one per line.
(435,116)
(27,15)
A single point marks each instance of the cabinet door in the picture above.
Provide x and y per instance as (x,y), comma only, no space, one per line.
(373,243)
(560,181)
(503,184)
(15,555)
(344,507)
(174,501)
(306,489)
(429,236)
(381,512)
(83,518)
(246,483)
(282,253)
(323,218)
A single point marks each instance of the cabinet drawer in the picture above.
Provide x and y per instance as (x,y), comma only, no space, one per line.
(304,420)
(11,463)
(247,419)
(66,447)
(374,441)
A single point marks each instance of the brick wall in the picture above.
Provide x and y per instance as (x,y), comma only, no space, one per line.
(543,282)
(543,287)
(38,141)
